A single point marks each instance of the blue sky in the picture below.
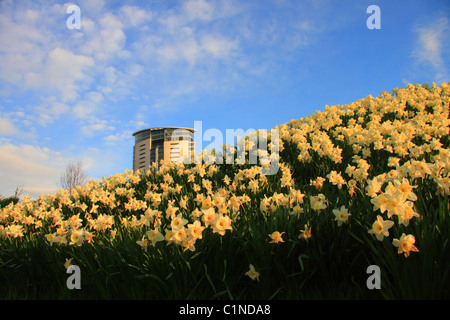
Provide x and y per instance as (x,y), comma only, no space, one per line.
(79,94)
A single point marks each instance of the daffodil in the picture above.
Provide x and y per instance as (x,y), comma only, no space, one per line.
(296,196)
(143,243)
(178,222)
(208,216)
(393,161)
(77,237)
(170,211)
(373,187)
(380,228)
(405,244)
(341,215)
(252,273)
(408,213)
(207,203)
(336,179)
(62,240)
(168,236)
(405,189)
(318,182)
(89,236)
(218,201)
(15,230)
(318,202)
(195,230)
(305,233)
(379,202)
(226,180)
(179,235)
(51,238)
(395,204)
(297,211)
(68,263)
(154,236)
(188,245)
(221,224)
(276,237)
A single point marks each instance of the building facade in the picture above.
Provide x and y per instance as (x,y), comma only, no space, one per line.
(161,143)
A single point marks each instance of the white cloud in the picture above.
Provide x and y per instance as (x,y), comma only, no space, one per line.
(117,83)
(92,8)
(133,16)
(7,128)
(99,126)
(10,126)
(84,109)
(37,170)
(35,57)
(118,137)
(218,46)
(432,46)
(48,111)
(104,40)
(34,169)
(94,96)
(198,10)
(21,49)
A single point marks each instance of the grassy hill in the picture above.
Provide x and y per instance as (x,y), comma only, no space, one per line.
(358,185)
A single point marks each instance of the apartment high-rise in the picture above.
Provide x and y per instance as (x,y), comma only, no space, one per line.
(167,143)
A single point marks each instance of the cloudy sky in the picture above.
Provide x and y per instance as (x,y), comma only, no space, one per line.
(78,94)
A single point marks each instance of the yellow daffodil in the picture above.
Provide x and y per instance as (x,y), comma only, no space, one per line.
(305,233)
(341,215)
(76,237)
(178,222)
(170,211)
(408,213)
(276,237)
(143,243)
(405,189)
(221,224)
(296,211)
(15,231)
(154,236)
(405,244)
(208,216)
(179,235)
(195,230)
(89,236)
(395,204)
(68,263)
(373,187)
(380,228)
(51,238)
(379,202)
(318,202)
(207,203)
(252,273)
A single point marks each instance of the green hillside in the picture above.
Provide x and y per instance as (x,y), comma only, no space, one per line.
(361,184)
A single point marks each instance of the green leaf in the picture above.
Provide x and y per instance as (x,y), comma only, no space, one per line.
(209,278)
(300,260)
(275,293)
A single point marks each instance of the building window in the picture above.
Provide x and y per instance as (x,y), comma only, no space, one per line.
(142,136)
(157,145)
